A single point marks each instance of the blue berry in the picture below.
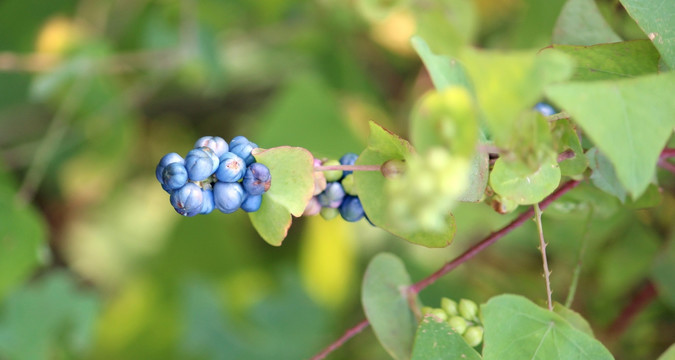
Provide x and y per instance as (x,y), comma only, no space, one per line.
(243,149)
(201,163)
(174,176)
(545,109)
(239,140)
(252,203)
(231,169)
(351,209)
(187,200)
(215,143)
(164,162)
(313,207)
(257,179)
(208,204)
(228,196)
(332,196)
(348,159)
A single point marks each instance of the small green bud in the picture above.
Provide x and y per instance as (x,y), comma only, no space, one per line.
(440,314)
(468,309)
(458,323)
(393,168)
(329,213)
(348,185)
(332,175)
(473,335)
(450,306)
(426,310)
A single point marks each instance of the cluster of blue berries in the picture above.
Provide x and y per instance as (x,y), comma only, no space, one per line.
(335,193)
(214,174)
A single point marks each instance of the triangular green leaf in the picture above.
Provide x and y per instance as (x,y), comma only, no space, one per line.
(613,61)
(604,175)
(444,70)
(436,340)
(580,23)
(387,306)
(271,221)
(628,120)
(516,329)
(656,19)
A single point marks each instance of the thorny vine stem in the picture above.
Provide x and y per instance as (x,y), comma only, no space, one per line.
(468,254)
(542,248)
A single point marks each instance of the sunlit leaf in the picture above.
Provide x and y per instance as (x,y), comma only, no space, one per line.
(387,304)
(514,182)
(444,70)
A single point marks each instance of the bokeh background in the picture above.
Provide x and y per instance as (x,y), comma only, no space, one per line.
(94,261)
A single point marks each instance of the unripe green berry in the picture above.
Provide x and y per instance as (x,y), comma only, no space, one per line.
(450,306)
(439,314)
(426,310)
(348,185)
(393,168)
(332,175)
(473,335)
(458,323)
(329,213)
(468,309)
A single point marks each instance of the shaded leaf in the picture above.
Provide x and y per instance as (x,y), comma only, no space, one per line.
(271,221)
(21,238)
(612,61)
(668,354)
(604,175)
(447,26)
(656,19)
(580,23)
(516,329)
(663,274)
(387,306)
(628,120)
(444,70)
(567,139)
(436,340)
(48,315)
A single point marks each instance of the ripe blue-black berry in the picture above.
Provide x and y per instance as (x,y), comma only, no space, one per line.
(544,108)
(251,203)
(164,162)
(187,200)
(215,143)
(332,196)
(228,196)
(348,159)
(174,176)
(257,179)
(201,163)
(208,204)
(351,209)
(242,148)
(231,169)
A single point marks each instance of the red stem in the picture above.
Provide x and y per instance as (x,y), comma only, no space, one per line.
(491,239)
(343,339)
(639,301)
(468,254)
(667,153)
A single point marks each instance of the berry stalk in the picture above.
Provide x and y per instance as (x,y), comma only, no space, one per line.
(347,168)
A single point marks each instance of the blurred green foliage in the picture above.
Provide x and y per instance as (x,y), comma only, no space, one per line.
(94,262)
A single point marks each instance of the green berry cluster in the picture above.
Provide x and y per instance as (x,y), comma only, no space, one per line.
(463,318)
